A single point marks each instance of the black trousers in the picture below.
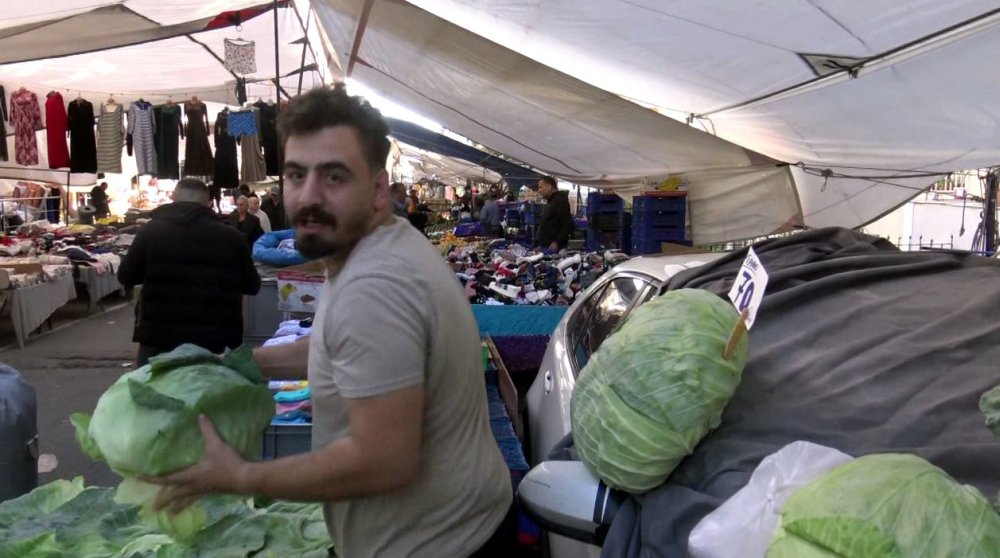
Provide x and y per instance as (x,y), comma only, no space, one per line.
(503,543)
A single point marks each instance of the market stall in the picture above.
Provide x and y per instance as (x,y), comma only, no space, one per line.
(31,306)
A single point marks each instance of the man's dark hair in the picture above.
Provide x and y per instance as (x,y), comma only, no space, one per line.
(325,107)
(252,195)
(548,180)
(191,190)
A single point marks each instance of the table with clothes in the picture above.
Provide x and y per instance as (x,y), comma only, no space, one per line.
(32,305)
(96,274)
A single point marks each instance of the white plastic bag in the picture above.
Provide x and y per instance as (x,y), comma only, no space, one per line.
(744,525)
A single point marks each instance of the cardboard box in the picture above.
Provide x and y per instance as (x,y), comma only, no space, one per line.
(671,249)
(299,287)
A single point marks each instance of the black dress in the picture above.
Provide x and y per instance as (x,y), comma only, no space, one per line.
(197,152)
(3,131)
(168,128)
(82,143)
(227,172)
(269,137)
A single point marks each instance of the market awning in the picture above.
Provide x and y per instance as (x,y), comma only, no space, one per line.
(417,136)
(157,49)
(873,100)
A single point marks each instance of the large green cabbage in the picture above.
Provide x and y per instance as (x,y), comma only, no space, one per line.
(655,388)
(887,505)
(146,423)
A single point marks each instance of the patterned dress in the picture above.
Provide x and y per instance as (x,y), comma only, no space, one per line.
(25,118)
(141,128)
(111,137)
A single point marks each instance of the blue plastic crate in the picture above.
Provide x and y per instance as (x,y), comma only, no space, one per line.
(602,203)
(468,229)
(657,203)
(658,218)
(606,221)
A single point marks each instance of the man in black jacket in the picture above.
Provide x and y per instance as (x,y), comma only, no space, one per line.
(557,218)
(194,270)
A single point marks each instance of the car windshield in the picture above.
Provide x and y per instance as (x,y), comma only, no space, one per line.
(602,313)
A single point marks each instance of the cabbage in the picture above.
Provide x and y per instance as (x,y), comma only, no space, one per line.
(655,388)
(65,519)
(887,505)
(146,423)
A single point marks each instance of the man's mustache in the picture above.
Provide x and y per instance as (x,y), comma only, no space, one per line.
(314,214)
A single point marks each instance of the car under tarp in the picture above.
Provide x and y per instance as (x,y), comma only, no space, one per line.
(857,346)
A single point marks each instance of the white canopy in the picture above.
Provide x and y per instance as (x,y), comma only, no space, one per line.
(873,99)
(152,49)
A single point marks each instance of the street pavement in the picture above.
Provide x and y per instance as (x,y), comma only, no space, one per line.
(69,368)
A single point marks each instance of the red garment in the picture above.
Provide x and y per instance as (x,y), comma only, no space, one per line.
(25,118)
(56,125)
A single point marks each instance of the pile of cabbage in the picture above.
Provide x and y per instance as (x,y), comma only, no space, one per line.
(887,506)
(67,519)
(656,387)
(146,423)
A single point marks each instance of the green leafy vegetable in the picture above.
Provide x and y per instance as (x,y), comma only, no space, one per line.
(65,520)
(989,404)
(655,388)
(887,506)
(146,423)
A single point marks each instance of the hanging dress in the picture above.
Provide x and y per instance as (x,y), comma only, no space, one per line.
(3,129)
(227,172)
(141,128)
(56,125)
(197,151)
(168,126)
(111,137)
(25,118)
(269,137)
(82,143)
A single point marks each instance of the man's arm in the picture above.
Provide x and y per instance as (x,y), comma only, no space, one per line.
(132,270)
(284,362)
(250,277)
(382,452)
(565,231)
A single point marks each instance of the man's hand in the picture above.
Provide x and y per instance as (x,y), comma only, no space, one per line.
(221,470)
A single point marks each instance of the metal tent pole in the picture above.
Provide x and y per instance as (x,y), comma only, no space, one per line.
(277,94)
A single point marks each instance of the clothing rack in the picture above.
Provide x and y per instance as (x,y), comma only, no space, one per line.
(64,187)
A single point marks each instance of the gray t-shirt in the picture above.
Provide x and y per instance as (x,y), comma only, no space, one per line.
(395,317)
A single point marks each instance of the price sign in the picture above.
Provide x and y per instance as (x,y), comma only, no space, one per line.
(748,289)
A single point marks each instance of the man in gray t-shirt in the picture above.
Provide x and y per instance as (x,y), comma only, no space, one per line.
(403,455)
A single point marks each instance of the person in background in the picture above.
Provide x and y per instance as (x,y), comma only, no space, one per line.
(99,199)
(243,190)
(245,222)
(265,221)
(403,457)
(491,215)
(397,194)
(215,194)
(557,218)
(194,270)
(274,209)
(416,213)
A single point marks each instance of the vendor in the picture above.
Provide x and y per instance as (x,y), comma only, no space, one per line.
(403,456)
(491,215)
(557,217)
(99,199)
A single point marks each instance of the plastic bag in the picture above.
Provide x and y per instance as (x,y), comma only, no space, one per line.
(745,524)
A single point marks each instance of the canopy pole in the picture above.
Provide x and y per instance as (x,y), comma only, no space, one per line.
(277,97)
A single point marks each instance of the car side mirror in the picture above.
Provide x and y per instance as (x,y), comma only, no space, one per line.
(564,497)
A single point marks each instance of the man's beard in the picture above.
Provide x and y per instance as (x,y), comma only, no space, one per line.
(321,245)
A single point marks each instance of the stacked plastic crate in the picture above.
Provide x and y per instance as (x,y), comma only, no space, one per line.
(531,213)
(608,225)
(657,219)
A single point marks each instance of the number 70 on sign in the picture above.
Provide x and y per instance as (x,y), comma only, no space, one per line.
(749,286)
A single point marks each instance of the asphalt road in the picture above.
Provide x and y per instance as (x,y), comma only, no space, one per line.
(70,367)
